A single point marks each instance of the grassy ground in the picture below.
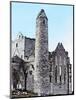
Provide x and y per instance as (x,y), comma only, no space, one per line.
(17,94)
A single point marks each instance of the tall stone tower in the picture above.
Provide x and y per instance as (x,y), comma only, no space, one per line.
(41,75)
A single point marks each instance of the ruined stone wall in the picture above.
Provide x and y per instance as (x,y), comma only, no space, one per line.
(29,47)
(60,71)
(18,47)
(24,48)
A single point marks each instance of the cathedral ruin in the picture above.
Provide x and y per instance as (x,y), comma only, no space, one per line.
(35,69)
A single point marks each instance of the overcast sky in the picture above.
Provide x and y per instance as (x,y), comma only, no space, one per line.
(60,23)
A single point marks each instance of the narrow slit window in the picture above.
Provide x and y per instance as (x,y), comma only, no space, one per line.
(30,72)
(43,21)
(56,74)
(50,78)
(16,44)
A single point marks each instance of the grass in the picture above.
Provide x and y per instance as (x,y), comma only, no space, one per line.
(18,94)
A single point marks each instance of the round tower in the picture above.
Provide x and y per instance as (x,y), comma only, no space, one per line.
(41,76)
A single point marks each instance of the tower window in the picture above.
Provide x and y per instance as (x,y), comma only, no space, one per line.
(43,21)
(51,68)
(30,72)
(50,78)
(16,44)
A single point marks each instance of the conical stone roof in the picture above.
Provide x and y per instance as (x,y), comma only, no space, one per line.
(42,14)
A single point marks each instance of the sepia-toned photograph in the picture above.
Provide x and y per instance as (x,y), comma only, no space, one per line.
(41,49)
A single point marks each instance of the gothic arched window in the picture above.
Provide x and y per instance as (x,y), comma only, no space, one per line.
(60,72)
(64,74)
(60,60)
(56,74)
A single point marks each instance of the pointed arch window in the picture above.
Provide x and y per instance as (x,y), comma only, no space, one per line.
(50,78)
(56,74)
(60,61)
(60,72)
(64,74)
